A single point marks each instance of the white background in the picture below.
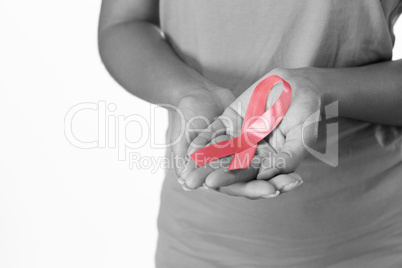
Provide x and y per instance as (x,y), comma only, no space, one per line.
(62,206)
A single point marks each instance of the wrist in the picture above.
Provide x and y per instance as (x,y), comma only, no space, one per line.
(316,79)
(221,96)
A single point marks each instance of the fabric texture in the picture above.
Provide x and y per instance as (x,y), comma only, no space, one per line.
(344,216)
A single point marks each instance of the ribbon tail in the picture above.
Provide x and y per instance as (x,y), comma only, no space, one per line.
(243,159)
(215,151)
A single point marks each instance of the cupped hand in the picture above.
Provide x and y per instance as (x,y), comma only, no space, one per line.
(193,114)
(278,155)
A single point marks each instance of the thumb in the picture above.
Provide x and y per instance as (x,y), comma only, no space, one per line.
(291,154)
(181,138)
(179,144)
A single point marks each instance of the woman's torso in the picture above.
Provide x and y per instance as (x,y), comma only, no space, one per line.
(346,216)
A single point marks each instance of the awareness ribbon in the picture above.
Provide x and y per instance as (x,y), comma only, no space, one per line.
(256,126)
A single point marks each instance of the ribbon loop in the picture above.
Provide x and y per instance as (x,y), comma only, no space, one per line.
(256,126)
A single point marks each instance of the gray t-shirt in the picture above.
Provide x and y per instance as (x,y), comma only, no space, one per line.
(345,216)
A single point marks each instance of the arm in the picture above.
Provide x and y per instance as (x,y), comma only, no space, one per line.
(137,56)
(371,93)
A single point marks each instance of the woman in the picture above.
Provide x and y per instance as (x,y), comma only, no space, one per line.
(349,211)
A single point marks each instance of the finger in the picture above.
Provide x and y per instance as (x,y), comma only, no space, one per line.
(266,189)
(286,182)
(198,178)
(229,123)
(216,174)
(252,190)
(233,121)
(206,136)
(268,166)
(291,155)
(183,133)
(276,139)
(179,144)
(268,153)
(224,177)
(265,149)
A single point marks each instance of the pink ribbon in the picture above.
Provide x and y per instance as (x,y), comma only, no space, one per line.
(256,126)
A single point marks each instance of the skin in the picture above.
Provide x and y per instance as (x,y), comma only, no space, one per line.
(285,144)
(137,56)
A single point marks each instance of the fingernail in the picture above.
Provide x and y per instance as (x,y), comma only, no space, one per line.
(204,186)
(181,180)
(271,195)
(186,188)
(292,186)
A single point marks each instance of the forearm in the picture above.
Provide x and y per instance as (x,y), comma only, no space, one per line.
(371,93)
(140,60)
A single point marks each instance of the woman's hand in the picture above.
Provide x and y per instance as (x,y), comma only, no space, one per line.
(277,156)
(193,114)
